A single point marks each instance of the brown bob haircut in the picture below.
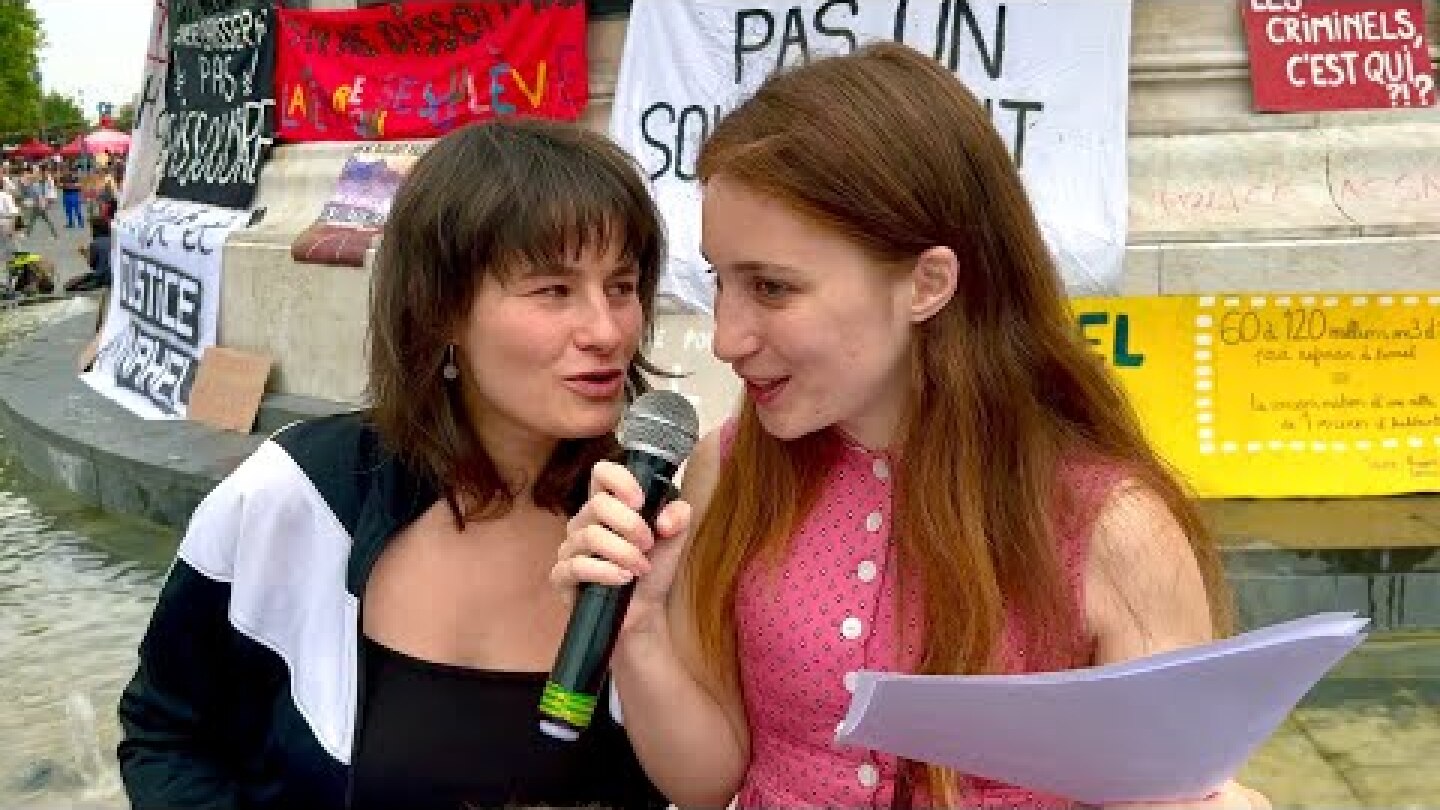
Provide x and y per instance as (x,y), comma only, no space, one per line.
(490,200)
(887,148)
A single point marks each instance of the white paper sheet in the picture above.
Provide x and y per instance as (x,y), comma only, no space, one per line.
(1169,726)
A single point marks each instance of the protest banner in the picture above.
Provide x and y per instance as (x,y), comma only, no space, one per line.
(419,70)
(219,118)
(164,304)
(357,209)
(1279,396)
(184,12)
(140,179)
(1054,77)
(1312,55)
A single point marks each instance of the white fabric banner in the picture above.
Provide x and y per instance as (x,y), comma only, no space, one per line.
(1053,74)
(139,181)
(164,304)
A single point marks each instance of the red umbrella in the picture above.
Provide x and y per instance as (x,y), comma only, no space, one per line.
(34,150)
(74,148)
(108,140)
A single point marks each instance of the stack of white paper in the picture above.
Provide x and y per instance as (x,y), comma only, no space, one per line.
(1170,726)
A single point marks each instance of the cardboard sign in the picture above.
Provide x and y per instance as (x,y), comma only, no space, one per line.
(87,354)
(419,70)
(1311,55)
(228,388)
(86,358)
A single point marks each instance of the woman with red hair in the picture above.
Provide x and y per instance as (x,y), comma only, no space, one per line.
(930,471)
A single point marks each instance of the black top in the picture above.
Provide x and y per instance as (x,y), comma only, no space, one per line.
(444,737)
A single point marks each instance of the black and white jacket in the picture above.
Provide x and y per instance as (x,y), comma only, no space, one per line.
(249,684)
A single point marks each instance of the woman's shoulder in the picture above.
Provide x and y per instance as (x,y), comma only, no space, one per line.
(331,432)
(337,441)
(342,445)
(1144,586)
(1111,514)
(309,468)
(1084,485)
(1091,476)
(328,454)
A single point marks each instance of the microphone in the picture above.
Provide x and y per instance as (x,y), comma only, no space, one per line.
(657,434)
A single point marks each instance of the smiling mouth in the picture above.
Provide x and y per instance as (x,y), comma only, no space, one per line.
(762,391)
(598,377)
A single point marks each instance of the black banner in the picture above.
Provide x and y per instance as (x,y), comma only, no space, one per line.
(219,119)
(182,12)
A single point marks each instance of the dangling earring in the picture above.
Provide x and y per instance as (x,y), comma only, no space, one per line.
(450,371)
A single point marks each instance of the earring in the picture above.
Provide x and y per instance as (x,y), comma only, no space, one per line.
(450,371)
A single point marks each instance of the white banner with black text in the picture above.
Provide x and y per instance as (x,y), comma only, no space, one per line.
(164,304)
(1053,75)
(140,169)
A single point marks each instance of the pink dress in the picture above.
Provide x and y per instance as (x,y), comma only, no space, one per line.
(830,609)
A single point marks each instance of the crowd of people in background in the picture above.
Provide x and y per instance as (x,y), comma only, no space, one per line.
(30,194)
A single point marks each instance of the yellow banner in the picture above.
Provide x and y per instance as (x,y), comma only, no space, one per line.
(1282,395)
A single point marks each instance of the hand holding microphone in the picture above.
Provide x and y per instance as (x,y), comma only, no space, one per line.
(606,550)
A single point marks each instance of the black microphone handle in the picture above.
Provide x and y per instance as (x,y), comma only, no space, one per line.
(573,688)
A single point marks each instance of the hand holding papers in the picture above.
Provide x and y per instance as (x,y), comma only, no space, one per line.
(1166,727)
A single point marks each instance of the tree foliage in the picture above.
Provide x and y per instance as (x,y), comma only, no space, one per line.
(125,117)
(20,41)
(63,117)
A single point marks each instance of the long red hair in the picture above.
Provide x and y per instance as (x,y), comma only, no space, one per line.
(887,148)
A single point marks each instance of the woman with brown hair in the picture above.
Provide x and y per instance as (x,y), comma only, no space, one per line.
(930,472)
(359,616)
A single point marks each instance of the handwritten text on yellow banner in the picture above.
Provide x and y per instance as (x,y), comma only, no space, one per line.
(1282,395)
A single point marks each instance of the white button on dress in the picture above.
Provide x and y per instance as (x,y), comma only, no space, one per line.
(851,679)
(882,470)
(867,570)
(873,521)
(851,628)
(869,775)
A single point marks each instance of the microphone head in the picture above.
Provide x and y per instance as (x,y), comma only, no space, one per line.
(662,423)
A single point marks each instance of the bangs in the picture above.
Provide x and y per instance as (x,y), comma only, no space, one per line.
(557,231)
(558,209)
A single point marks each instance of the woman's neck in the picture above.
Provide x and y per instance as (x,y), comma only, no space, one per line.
(518,459)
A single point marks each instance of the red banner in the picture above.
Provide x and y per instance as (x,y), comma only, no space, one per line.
(418,70)
(1310,55)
